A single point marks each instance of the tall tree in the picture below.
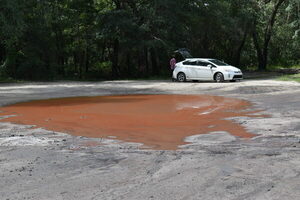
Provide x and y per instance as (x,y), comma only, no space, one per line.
(135,38)
(11,30)
(261,43)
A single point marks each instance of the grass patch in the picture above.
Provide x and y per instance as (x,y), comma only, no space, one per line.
(10,80)
(6,80)
(295,77)
(276,67)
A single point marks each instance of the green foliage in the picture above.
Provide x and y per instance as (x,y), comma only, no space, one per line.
(11,22)
(100,70)
(103,39)
(276,67)
(295,77)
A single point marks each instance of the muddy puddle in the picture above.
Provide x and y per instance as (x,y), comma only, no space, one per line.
(157,121)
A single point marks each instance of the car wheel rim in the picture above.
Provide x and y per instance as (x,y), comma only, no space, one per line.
(218,78)
(181,77)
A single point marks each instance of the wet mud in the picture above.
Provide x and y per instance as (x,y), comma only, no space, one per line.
(157,121)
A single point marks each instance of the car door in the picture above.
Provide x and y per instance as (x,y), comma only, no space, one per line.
(204,71)
(190,69)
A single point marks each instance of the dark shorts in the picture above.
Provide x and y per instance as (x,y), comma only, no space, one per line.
(172,73)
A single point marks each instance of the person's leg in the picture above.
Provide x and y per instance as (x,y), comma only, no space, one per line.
(173,79)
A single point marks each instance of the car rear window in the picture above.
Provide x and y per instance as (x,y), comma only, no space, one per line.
(218,62)
(189,63)
(201,63)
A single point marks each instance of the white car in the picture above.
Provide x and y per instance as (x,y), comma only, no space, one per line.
(205,69)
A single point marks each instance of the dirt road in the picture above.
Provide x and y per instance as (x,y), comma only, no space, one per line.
(40,164)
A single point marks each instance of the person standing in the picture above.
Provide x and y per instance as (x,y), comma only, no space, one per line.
(172,66)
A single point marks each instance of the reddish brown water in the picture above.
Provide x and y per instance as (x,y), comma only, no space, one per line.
(157,121)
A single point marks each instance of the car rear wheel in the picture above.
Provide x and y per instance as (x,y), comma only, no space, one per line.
(219,77)
(181,77)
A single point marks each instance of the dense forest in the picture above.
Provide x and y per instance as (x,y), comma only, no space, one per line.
(112,39)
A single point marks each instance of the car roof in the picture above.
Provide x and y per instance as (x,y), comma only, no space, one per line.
(202,59)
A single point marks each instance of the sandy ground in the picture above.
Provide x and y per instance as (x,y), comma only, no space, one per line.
(40,164)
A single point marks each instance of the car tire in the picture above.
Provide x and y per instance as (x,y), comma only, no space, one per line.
(181,77)
(232,80)
(219,77)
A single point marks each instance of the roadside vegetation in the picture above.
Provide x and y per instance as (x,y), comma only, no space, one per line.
(278,67)
(295,77)
(115,39)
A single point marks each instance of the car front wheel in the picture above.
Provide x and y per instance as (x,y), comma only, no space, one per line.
(219,77)
(181,77)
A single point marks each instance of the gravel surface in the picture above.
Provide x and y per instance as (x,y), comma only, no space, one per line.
(41,164)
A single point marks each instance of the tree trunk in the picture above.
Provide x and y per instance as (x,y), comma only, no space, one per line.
(59,44)
(262,52)
(75,62)
(103,52)
(259,53)
(128,65)
(139,62)
(115,59)
(81,63)
(146,60)
(268,33)
(86,58)
(239,49)
(2,53)
(155,70)
(116,44)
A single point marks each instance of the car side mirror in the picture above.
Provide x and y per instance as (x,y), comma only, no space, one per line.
(210,66)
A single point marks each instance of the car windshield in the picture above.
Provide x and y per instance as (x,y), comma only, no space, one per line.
(217,62)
